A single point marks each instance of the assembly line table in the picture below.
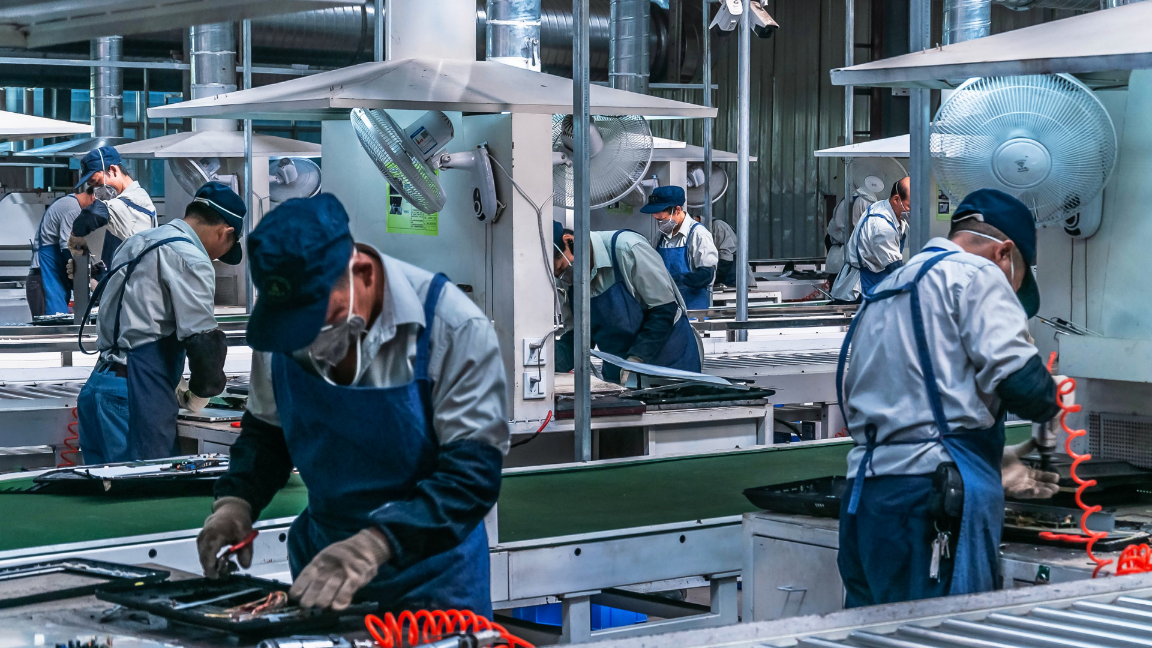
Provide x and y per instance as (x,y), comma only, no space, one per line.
(569,533)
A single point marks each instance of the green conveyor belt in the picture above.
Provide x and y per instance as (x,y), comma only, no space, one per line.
(536,504)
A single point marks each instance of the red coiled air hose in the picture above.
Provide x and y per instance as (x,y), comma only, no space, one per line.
(425,626)
(73,435)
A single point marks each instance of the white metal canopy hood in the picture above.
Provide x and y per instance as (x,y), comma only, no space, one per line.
(422,84)
(1101,41)
(666,150)
(893,147)
(220,144)
(18,126)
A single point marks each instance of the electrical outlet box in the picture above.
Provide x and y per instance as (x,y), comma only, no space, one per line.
(535,352)
(534,387)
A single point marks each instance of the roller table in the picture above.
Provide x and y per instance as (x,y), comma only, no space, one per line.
(569,533)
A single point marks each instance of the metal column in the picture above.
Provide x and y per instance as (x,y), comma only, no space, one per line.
(581,221)
(919,35)
(849,95)
(743,143)
(706,141)
(250,220)
(378,32)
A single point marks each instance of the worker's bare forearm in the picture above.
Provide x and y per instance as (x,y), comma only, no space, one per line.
(446,506)
(259,464)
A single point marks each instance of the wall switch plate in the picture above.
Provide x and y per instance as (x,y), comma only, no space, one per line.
(535,352)
(534,388)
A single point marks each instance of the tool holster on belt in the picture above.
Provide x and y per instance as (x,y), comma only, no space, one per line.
(947,501)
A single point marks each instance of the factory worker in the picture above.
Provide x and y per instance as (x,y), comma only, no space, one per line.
(840,227)
(156,308)
(725,240)
(685,246)
(876,247)
(49,287)
(122,206)
(383,384)
(637,312)
(939,353)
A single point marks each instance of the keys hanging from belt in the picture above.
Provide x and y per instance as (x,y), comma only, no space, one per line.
(940,551)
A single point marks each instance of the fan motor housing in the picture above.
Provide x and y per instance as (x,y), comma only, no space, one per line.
(1021,163)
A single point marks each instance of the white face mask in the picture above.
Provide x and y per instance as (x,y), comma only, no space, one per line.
(568,275)
(332,342)
(1011,259)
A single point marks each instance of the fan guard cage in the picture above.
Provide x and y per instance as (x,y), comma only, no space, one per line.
(695,195)
(385,143)
(616,169)
(306,184)
(1045,139)
(188,174)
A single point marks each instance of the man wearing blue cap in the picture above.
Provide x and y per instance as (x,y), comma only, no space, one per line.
(942,354)
(637,311)
(156,308)
(688,252)
(383,385)
(122,206)
(48,285)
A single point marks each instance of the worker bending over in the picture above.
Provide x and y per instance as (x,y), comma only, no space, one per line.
(122,206)
(687,250)
(49,287)
(383,384)
(637,312)
(725,240)
(845,217)
(941,352)
(156,308)
(876,247)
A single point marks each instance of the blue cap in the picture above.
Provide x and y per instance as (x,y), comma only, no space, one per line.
(1009,215)
(558,234)
(296,254)
(664,199)
(221,198)
(98,159)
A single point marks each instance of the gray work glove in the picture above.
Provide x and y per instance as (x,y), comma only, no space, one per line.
(340,570)
(1022,482)
(625,374)
(77,245)
(230,522)
(189,401)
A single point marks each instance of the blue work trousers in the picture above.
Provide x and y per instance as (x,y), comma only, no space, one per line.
(103,410)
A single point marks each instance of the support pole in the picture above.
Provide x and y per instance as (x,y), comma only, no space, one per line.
(378,31)
(919,35)
(743,142)
(849,95)
(706,141)
(250,221)
(581,222)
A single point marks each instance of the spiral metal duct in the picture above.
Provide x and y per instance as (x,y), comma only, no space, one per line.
(106,87)
(213,68)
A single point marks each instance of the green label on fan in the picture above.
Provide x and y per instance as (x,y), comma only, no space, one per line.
(403,218)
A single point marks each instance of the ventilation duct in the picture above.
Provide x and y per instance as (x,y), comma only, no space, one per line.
(628,45)
(965,20)
(513,33)
(213,68)
(107,88)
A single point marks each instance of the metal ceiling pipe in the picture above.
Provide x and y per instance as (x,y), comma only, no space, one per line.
(628,60)
(965,20)
(513,33)
(213,68)
(106,86)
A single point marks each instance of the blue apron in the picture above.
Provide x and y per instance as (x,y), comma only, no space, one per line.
(148,391)
(678,263)
(977,454)
(359,448)
(617,318)
(54,270)
(869,279)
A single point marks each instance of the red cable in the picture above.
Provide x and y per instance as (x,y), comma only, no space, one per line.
(1066,387)
(425,626)
(73,435)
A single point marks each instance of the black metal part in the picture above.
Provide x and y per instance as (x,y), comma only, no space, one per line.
(175,477)
(163,599)
(687,393)
(115,577)
(815,497)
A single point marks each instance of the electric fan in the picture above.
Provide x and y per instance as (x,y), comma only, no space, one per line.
(191,174)
(638,197)
(290,178)
(695,190)
(873,177)
(409,158)
(1045,139)
(620,149)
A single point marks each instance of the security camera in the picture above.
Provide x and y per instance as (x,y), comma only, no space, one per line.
(762,24)
(728,16)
